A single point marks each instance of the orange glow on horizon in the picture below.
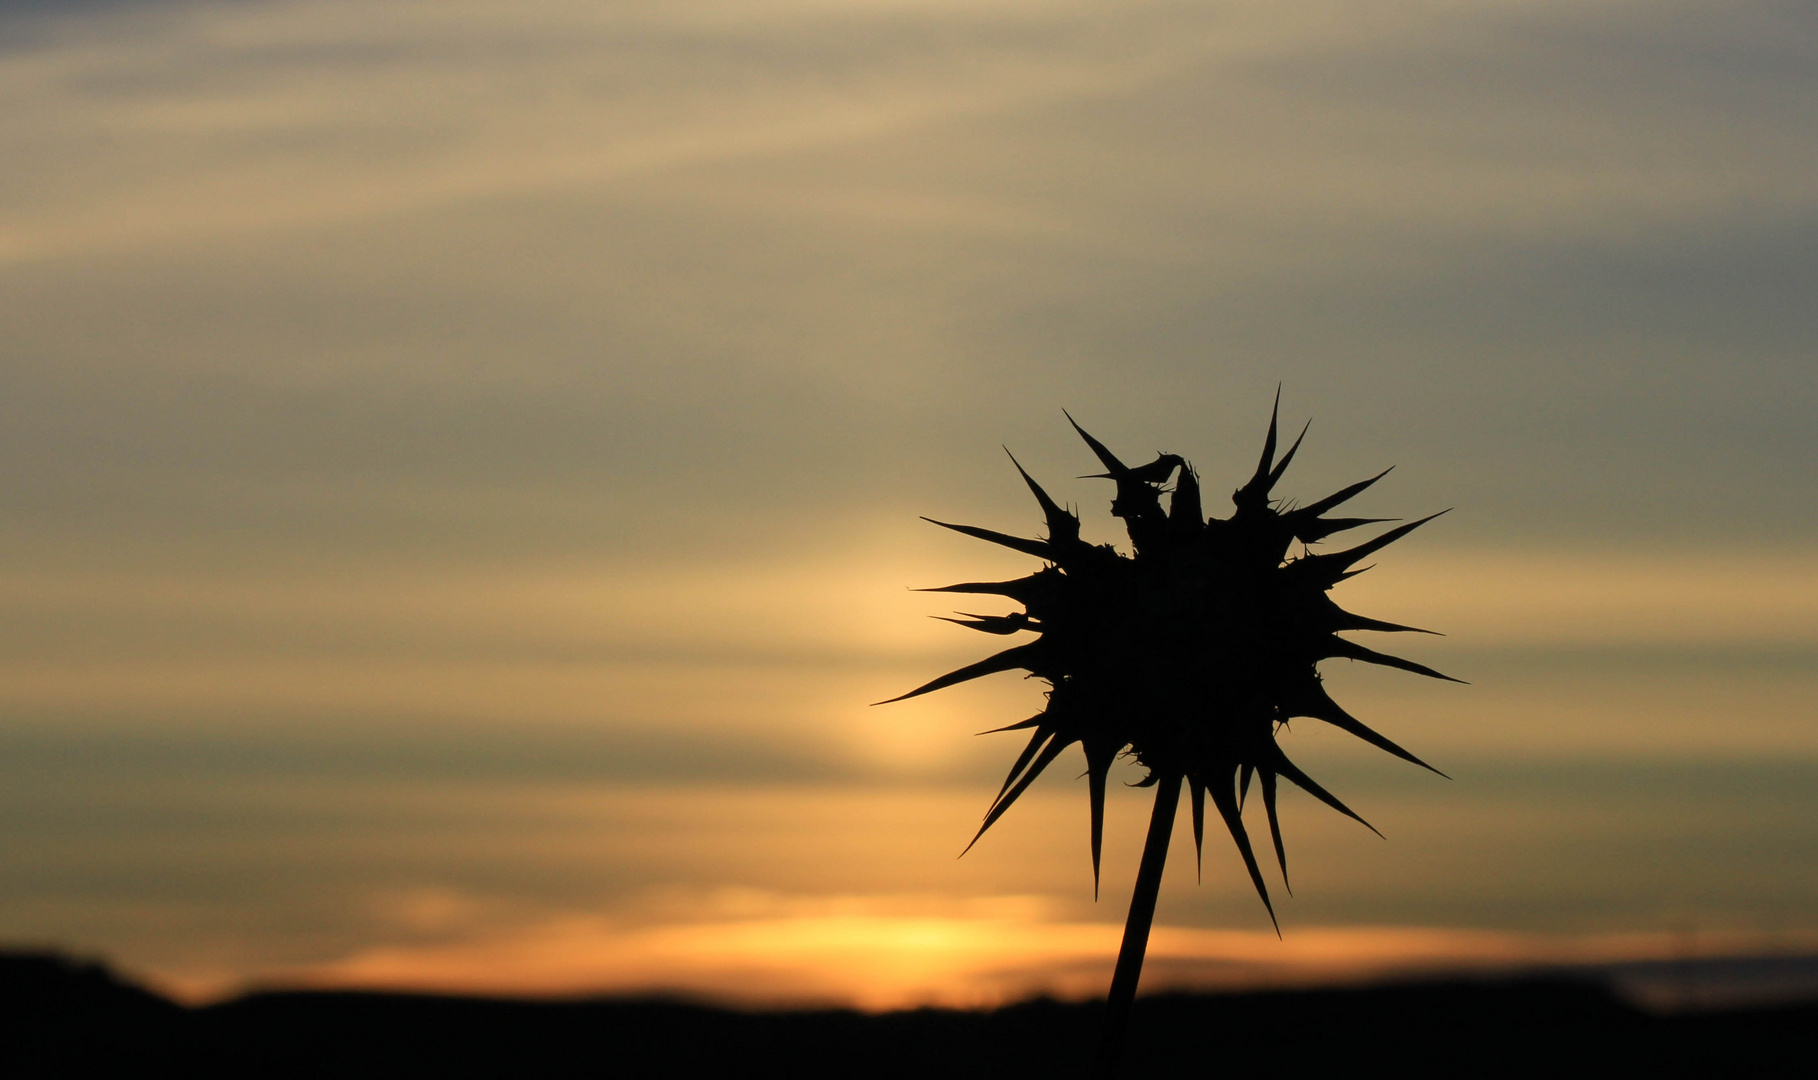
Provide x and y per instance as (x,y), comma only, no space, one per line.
(882,960)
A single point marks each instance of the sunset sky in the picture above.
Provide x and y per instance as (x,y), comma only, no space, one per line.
(461,467)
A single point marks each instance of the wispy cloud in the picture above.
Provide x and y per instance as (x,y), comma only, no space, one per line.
(502,422)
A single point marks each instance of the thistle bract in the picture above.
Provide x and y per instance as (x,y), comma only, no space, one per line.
(1191,651)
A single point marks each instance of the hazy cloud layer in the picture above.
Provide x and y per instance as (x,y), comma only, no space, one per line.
(408,403)
(455,281)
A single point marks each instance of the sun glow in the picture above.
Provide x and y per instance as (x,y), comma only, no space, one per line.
(875,955)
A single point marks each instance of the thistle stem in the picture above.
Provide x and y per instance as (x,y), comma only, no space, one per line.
(1136,929)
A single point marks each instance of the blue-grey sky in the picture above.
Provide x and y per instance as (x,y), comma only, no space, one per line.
(417,407)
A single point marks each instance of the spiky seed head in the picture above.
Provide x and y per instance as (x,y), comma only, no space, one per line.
(1189,652)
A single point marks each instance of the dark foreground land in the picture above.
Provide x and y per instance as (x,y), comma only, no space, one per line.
(65,1019)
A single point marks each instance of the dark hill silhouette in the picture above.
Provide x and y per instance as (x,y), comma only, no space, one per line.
(64,1019)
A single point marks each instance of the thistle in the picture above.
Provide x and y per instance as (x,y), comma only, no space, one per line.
(1188,655)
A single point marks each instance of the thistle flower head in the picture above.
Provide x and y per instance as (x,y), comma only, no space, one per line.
(1190,652)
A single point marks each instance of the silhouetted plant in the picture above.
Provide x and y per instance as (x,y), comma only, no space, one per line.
(1187,654)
